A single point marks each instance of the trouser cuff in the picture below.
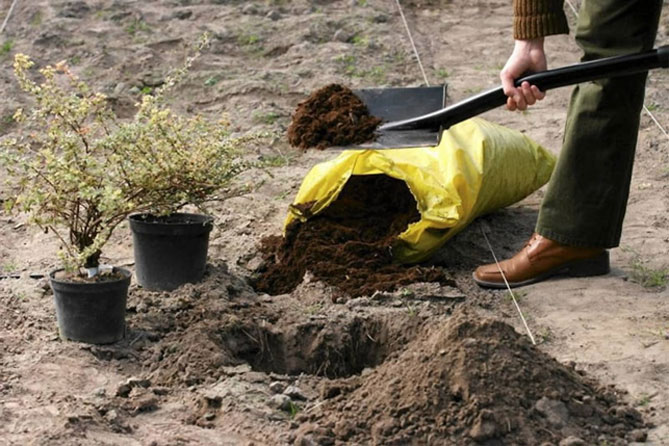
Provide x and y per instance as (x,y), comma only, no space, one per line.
(579,242)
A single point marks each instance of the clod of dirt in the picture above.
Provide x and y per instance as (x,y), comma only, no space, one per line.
(348,245)
(331,116)
(206,411)
(124,389)
(472,381)
(141,402)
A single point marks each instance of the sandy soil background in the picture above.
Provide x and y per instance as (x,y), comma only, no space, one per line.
(265,57)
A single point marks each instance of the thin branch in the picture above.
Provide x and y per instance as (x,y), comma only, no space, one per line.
(76,129)
(62,240)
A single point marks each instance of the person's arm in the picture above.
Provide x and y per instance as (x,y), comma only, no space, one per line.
(533,19)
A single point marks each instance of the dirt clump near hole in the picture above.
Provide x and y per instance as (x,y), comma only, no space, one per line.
(348,245)
(472,381)
(331,116)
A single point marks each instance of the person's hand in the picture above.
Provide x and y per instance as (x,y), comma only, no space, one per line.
(527,56)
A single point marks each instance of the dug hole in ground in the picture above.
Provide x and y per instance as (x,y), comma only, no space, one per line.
(434,362)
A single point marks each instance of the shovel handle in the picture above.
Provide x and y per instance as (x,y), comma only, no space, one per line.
(599,69)
(560,77)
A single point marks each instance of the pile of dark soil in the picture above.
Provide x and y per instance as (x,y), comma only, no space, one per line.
(472,381)
(348,245)
(331,116)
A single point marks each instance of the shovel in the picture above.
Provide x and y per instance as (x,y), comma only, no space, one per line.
(416,117)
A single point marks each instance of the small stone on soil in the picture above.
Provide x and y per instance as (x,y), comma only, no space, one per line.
(281,402)
(138,382)
(273,15)
(143,403)
(100,392)
(295,393)
(572,441)
(256,377)
(160,390)
(277,387)
(384,428)
(74,10)
(358,302)
(182,15)
(250,9)
(638,435)
(237,370)
(124,389)
(555,411)
(342,36)
(483,429)
(111,416)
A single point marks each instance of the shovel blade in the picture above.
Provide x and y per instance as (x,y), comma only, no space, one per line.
(396,104)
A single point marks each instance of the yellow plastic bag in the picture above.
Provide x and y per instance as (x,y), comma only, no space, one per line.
(477,167)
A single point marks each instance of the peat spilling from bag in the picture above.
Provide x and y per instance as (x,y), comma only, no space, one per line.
(348,245)
(331,116)
(472,381)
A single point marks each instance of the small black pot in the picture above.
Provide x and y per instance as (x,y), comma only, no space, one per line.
(91,312)
(170,250)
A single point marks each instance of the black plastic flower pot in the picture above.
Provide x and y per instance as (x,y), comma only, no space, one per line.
(91,312)
(171,250)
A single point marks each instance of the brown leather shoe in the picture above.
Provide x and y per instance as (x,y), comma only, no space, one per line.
(540,259)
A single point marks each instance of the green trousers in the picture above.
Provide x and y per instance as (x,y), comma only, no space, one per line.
(587,196)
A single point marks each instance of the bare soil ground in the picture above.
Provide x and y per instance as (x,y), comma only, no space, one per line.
(217,363)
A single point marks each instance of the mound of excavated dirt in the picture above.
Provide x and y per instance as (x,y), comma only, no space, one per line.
(472,382)
(331,116)
(348,245)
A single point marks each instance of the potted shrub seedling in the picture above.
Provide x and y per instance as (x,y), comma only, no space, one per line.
(170,247)
(190,160)
(79,172)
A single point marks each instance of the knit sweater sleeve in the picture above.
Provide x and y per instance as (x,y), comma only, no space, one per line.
(538,18)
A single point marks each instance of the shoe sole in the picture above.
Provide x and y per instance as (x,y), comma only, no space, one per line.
(594,266)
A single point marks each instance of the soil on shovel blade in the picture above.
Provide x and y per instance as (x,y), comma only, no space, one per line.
(331,116)
(471,381)
(348,245)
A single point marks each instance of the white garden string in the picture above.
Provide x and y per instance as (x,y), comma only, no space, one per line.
(413,44)
(573,9)
(513,296)
(571,5)
(9,13)
(655,121)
